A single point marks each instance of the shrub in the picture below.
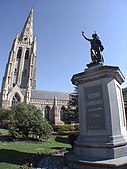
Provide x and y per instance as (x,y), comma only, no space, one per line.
(27,121)
(4,118)
(63,127)
(76,126)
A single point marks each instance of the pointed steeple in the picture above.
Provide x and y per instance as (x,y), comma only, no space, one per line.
(27,32)
(16,36)
(35,38)
(21,66)
(34,45)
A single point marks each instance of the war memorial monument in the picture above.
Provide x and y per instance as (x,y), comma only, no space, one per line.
(102,140)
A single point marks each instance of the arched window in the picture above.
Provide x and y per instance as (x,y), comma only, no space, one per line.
(27,54)
(47,110)
(16,99)
(62,114)
(19,53)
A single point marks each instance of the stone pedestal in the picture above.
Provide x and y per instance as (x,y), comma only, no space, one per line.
(101,117)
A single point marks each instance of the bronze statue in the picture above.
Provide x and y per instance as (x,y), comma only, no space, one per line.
(96,48)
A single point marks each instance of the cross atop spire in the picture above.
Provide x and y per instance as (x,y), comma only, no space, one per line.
(27,32)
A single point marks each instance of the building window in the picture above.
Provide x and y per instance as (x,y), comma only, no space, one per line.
(47,110)
(16,99)
(27,54)
(15,71)
(19,53)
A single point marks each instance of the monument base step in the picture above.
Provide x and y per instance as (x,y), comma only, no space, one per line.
(75,162)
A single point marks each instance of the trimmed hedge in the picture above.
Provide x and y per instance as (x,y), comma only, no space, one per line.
(65,127)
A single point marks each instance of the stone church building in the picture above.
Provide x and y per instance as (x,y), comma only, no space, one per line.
(19,81)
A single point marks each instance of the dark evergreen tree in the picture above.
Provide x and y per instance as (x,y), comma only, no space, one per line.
(73,107)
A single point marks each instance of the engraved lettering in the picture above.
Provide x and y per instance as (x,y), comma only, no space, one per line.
(95,115)
(93,95)
(95,109)
(95,118)
(94,103)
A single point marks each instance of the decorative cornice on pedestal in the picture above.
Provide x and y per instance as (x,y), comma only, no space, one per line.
(100,72)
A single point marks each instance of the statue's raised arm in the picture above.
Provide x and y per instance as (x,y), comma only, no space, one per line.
(96,48)
(85,36)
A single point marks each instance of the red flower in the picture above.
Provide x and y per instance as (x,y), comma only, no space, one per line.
(26,163)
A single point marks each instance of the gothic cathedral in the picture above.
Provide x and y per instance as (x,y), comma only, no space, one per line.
(19,81)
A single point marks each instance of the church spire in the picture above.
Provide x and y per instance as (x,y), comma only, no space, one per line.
(27,32)
(21,66)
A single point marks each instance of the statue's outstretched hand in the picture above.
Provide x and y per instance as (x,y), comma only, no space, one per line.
(82,33)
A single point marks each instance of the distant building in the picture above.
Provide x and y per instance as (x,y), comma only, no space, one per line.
(19,81)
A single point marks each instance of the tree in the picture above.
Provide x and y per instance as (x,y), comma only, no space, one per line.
(27,121)
(4,118)
(73,107)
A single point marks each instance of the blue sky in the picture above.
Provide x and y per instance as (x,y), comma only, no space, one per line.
(61,50)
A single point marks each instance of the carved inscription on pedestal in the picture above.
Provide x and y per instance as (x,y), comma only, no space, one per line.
(94,108)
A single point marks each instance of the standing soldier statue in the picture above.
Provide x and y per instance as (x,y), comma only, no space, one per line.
(96,48)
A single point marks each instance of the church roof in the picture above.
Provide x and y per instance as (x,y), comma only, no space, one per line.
(47,95)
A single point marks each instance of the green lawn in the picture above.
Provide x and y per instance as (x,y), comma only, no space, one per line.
(12,155)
